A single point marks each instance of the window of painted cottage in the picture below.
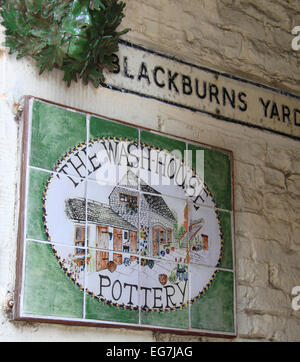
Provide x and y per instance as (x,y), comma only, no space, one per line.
(79,239)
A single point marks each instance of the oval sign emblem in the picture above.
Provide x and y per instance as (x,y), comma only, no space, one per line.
(132,225)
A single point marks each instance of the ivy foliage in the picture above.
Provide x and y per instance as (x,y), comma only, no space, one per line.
(77,36)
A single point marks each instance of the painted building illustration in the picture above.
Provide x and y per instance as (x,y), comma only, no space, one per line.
(114,227)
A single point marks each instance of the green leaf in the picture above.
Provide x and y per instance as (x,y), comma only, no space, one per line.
(93,74)
(71,69)
(96,5)
(77,36)
(51,57)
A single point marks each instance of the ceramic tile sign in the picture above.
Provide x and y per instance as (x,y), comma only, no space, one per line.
(150,74)
(123,226)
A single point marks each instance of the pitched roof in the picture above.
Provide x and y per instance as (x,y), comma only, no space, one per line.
(158,205)
(130,180)
(97,213)
(156,201)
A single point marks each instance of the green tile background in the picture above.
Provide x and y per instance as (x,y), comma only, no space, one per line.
(178,319)
(163,142)
(47,289)
(103,128)
(217,174)
(54,131)
(214,310)
(99,311)
(35,226)
(227,258)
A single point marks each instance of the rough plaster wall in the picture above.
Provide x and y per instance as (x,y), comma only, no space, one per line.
(247,38)
(242,37)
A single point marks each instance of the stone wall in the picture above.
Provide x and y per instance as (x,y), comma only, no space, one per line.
(122,208)
(251,39)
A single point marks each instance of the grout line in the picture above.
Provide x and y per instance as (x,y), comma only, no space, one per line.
(139,164)
(190,298)
(138,231)
(86,217)
(56,173)
(132,254)
(126,187)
